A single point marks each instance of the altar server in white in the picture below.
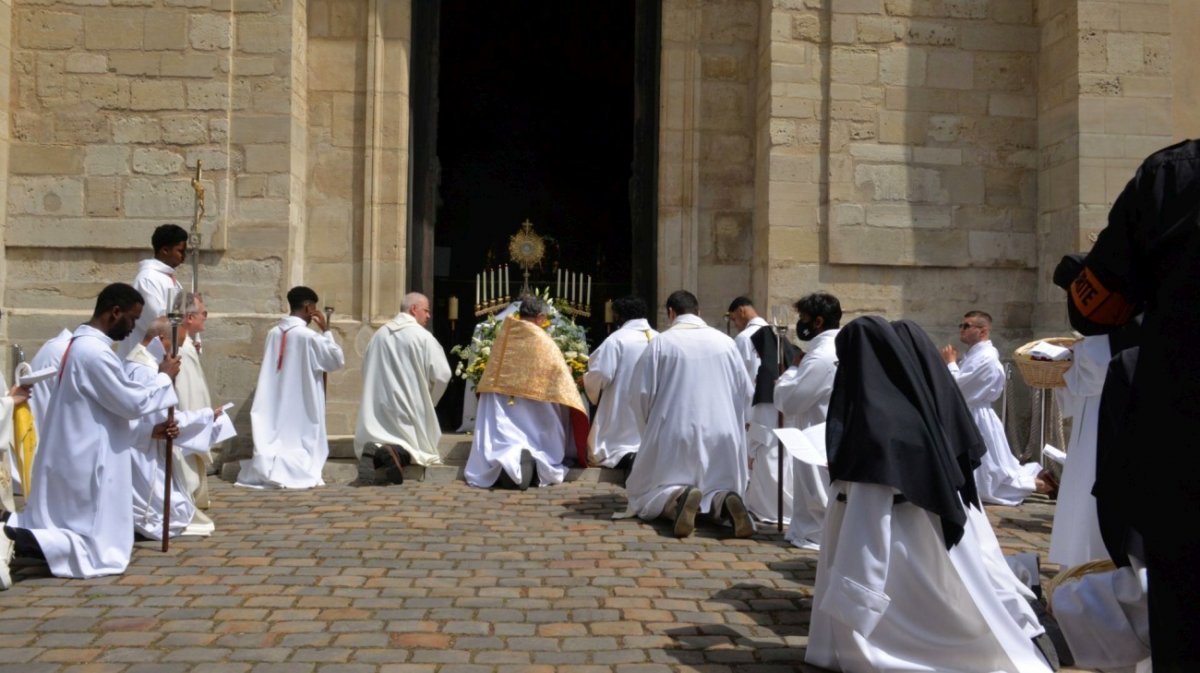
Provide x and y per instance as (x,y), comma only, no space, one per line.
(1001,479)
(762,491)
(614,439)
(197,429)
(802,395)
(692,391)
(903,581)
(156,279)
(1075,538)
(192,388)
(288,416)
(531,415)
(80,516)
(49,355)
(405,373)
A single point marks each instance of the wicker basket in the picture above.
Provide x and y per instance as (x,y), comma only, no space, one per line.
(1042,373)
(1073,574)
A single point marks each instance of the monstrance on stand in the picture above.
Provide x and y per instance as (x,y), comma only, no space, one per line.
(526,248)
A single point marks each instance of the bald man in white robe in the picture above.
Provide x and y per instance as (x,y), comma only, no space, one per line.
(405,373)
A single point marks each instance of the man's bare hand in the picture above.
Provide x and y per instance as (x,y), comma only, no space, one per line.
(949,354)
(217,411)
(165,430)
(19,394)
(319,319)
(169,366)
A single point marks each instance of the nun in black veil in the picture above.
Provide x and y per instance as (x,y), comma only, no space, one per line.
(911,577)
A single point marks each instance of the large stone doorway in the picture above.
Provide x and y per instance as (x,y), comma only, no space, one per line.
(535,110)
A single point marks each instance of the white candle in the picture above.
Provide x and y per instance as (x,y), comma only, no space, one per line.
(487,287)
(477,289)
(453,307)
(507,290)
(588,301)
(608,311)
(570,286)
(558,284)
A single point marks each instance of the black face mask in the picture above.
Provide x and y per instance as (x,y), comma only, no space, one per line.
(805,331)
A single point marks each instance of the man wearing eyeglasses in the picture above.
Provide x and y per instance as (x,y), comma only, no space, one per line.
(1000,479)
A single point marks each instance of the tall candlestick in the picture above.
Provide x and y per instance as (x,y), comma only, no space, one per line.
(570,286)
(588,301)
(452,308)
(608,311)
(507,291)
(558,284)
(477,289)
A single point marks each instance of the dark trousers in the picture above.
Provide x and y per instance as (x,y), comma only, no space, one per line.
(25,544)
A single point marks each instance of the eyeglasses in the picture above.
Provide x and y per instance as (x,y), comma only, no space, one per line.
(967,325)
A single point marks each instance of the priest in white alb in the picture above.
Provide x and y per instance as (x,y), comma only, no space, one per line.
(80,514)
(1002,480)
(531,415)
(802,396)
(614,440)
(288,415)
(192,388)
(754,340)
(156,280)
(198,429)
(405,373)
(692,391)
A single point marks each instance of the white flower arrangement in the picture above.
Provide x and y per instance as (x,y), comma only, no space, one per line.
(570,338)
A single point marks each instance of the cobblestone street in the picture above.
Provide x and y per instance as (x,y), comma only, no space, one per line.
(434,577)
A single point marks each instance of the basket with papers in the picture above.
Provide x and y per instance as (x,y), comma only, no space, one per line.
(1039,371)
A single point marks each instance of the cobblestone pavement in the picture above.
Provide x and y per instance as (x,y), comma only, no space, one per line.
(434,577)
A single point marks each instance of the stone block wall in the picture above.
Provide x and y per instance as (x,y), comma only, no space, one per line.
(706,151)
(897,162)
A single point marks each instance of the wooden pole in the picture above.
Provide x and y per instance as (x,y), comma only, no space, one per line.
(170,447)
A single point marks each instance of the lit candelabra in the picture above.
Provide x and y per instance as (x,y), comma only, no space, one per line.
(492,290)
(575,290)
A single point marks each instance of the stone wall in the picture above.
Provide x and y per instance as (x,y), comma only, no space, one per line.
(706,151)
(897,159)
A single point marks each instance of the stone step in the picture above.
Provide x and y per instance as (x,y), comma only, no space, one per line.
(342,468)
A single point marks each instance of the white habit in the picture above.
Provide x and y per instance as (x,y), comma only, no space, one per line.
(8,469)
(802,394)
(197,430)
(288,415)
(1075,538)
(889,597)
(691,391)
(404,375)
(192,388)
(614,432)
(1001,480)
(762,491)
(153,280)
(82,512)
(503,431)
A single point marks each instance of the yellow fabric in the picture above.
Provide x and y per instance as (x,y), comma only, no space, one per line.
(525,362)
(24,445)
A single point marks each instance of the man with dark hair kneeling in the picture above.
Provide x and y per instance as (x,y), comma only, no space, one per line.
(80,512)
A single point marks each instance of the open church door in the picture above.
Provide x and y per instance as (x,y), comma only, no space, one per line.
(540,111)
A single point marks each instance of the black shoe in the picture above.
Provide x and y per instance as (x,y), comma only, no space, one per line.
(686,508)
(735,510)
(626,463)
(527,469)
